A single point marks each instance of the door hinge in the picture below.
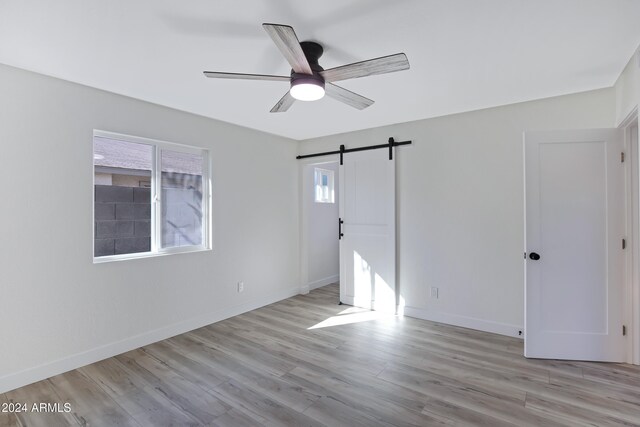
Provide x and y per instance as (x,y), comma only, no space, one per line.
(622,157)
(624,330)
(624,244)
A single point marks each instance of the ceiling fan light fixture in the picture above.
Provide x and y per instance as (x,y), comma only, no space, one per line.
(310,89)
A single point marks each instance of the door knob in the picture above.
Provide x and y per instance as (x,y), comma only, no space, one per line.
(534,256)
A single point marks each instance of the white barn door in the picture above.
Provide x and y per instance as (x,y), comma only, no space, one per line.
(575,223)
(368,244)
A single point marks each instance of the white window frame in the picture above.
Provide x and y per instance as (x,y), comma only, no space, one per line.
(156,197)
(318,173)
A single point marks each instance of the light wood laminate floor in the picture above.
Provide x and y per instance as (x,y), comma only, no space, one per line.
(307,361)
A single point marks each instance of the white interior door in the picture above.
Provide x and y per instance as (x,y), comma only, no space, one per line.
(368,245)
(575,222)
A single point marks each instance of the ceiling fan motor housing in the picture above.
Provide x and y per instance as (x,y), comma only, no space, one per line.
(312,51)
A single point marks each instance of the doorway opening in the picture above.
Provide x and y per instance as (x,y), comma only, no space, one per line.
(320,264)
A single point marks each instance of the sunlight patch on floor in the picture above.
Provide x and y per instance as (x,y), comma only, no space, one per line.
(352,315)
(352,310)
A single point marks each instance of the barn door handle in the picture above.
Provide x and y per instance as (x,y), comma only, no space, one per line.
(340,233)
(534,256)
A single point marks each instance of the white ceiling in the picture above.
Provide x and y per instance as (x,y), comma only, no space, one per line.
(464,54)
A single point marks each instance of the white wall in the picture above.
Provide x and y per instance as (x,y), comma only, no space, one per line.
(321,231)
(59,310)
(460,204)
(627,88)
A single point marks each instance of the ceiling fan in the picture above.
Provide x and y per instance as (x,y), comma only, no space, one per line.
(308,80)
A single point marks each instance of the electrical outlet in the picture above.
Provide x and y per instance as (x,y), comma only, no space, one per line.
(240,287)
(434,292)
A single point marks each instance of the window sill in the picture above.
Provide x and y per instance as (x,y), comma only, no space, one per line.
(142,255)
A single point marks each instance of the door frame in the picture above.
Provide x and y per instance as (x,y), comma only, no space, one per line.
(304,191)
(632,199)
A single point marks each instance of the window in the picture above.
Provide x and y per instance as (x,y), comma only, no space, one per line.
(323,182)
(150,197)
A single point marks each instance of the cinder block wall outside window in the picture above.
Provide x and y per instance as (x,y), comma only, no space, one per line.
(122,220)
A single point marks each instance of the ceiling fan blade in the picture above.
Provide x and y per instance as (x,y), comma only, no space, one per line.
(283,105)
(350,98)
(285,38)
(385,64)
(218,75)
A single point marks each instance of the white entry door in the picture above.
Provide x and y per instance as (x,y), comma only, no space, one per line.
(368,244)
(575,223)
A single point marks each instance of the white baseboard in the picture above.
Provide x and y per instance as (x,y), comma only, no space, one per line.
(465,322)
(323,282)
(18,379)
